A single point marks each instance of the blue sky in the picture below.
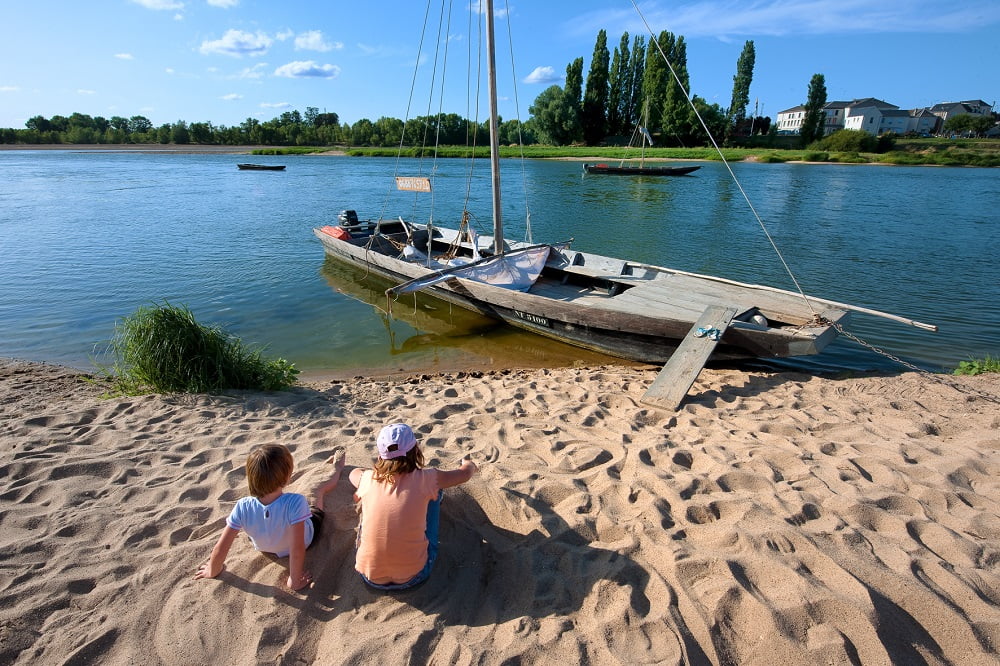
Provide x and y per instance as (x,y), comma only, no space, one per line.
(224,61)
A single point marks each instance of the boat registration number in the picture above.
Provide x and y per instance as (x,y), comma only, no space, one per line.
(532,318)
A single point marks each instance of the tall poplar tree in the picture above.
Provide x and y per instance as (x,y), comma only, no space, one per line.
(741,89)
(812,123)
(654,80)
(595,99)
(679,120)
(632,110)
(572,93)
(619,87)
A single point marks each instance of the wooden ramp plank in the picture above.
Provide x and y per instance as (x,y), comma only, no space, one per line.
(678,374)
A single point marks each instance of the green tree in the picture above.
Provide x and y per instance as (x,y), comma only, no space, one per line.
(632,103)
(572,94)
(595,100)
(179,133)
(139,125)
(654,81)
(553,117)
(680,123)
(741,89)
(619,87)
(812,124)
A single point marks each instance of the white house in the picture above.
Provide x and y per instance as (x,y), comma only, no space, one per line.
(877,117)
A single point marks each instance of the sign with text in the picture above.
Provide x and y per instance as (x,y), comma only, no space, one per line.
(413,184)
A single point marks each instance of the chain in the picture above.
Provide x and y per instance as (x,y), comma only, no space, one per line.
(926,373)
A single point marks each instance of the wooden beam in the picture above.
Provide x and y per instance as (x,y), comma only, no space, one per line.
(678,374)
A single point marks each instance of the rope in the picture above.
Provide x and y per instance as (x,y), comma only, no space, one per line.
(725,162)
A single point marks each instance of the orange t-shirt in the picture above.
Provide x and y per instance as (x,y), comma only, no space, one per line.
(392,546)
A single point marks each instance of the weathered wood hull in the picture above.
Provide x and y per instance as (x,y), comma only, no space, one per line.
(619,308)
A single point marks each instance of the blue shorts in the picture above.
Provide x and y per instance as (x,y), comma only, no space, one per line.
(431,532)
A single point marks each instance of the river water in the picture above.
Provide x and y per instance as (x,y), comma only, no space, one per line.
(86,237)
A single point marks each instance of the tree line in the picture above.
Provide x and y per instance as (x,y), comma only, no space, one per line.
(630,87)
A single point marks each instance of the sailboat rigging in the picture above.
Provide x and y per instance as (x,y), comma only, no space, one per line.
(619,307)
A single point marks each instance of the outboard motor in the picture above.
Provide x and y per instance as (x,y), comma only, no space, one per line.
(348,218)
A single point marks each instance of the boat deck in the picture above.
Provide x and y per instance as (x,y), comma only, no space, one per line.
(685,295)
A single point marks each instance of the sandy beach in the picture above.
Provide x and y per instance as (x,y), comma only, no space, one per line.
(776,518)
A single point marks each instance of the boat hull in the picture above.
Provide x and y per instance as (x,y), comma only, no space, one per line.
(576,304)
(608,170)
(260,167)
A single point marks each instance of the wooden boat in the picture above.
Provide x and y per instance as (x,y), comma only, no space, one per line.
(619,307)
(261,167)
(642,170)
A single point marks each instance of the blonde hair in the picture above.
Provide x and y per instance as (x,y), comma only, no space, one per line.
(269,467)
(387,470)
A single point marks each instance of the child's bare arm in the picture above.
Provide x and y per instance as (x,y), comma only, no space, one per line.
(458,476)
(217,562)
(298,577)
(355,476)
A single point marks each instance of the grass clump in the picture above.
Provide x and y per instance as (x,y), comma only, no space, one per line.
(162,348)
(978,366)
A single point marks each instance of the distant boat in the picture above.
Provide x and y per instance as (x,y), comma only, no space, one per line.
(641,134)
(625,170)
(261,167)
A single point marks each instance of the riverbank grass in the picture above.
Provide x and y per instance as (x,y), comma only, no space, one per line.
(162,348)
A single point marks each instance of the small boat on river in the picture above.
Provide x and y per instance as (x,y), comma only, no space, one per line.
(261,167)
(641,170)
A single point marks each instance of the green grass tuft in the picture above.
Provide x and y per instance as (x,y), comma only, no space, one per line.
(978,366)
(162,348)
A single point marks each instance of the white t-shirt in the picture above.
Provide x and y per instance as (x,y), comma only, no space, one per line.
(268,525)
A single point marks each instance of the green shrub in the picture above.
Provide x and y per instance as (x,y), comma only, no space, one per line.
(978,366)
(849,141)
(816,156)
(162,348)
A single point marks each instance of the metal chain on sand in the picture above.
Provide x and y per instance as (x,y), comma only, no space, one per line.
(926,373)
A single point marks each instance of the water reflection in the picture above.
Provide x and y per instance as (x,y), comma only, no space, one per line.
(419,329)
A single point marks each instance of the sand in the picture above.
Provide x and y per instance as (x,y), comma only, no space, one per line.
(774,519)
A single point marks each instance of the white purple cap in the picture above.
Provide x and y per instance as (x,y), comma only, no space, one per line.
(395,441)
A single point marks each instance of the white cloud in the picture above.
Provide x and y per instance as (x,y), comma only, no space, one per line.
(303,69)
(124,56)
(6,89)
(84,91)
(543,75)
(238,43)
(284,34)
(160,4)
(224,4)
(275,105)
(255,72)
(313,41)
(231,97)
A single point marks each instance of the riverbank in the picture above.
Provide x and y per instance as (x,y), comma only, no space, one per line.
(776,518)
(909,152)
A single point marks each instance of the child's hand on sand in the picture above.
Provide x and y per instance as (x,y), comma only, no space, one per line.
(302,582)
(468,464)
(205,571)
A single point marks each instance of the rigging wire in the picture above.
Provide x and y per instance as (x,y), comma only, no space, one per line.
(711,138)
(520,141)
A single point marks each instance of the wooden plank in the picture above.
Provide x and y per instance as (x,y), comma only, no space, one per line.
(678,374)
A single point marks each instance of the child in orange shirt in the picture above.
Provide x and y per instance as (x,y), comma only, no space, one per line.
(400,506)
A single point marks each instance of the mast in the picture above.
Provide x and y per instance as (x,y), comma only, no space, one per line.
(498,245)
